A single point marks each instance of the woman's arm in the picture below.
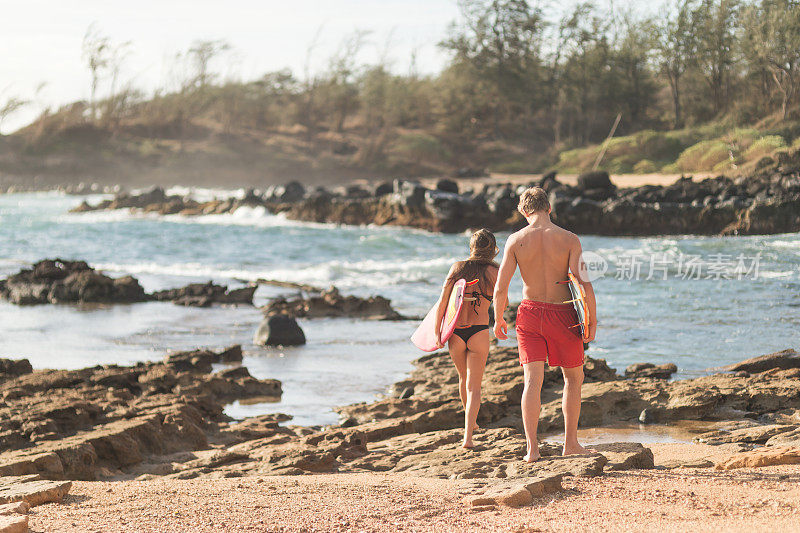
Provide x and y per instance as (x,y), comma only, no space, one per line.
(444,298)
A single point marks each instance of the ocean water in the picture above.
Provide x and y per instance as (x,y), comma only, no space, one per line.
(700,302)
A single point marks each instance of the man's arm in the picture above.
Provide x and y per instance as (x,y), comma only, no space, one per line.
(507,268)
(578,268)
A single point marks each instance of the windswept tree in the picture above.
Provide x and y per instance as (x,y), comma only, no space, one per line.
(772,30)
(200,55)
(501,41)
(715,25)
(10,106)
(340,81)
(674,45)
(97,52)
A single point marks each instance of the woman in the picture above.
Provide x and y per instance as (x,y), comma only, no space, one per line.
(469,344)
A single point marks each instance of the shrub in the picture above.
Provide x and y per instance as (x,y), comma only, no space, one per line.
(622,164)
(723,166)
(796,143)
(645,166)
(671,168)
(764,147)
(659,146)
(421,146)
(703,156)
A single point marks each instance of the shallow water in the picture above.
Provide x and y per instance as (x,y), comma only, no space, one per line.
(697,323)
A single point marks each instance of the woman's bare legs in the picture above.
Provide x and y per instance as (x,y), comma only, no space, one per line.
(532,406)
(458,353)
(470,362)
(477,352)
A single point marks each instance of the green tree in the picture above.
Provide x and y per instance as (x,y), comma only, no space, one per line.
(772,30)
(716,24)
(674,46)
(501,42)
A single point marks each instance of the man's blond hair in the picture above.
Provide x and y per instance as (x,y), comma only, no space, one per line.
(532,200)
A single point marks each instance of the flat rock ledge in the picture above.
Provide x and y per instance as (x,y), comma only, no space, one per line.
(514,494)
(106,421)
(19,493)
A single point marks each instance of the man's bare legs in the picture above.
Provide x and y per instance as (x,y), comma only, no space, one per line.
(532,406)
(571,407)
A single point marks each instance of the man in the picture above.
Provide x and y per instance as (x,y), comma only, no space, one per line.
(545,324)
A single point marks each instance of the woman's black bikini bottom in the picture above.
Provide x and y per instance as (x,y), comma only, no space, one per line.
(465,333)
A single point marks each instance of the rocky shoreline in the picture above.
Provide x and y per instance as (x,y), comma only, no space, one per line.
(162,423)
(56,281)
(165,419)
(766,202)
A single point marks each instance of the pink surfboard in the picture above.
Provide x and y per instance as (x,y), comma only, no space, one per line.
(424,337)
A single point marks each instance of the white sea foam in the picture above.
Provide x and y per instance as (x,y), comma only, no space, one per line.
(790,245)
(346,274)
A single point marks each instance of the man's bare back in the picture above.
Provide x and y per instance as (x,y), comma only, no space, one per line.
(543,255)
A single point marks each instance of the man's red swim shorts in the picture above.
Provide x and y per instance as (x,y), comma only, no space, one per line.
(548,332)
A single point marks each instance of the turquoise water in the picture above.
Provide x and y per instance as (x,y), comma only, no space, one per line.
(697,323)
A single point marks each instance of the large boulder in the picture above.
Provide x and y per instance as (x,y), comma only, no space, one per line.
(410,194)
(59,281)
(785,359)
(649,370)
(14,367)
(288,192)
(279,330)
(447,185)
(598,179)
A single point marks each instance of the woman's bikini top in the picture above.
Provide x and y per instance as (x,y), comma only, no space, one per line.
(476,295)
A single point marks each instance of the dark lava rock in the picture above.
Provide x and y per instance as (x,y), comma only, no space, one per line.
(59,281)
(14,367)
(289,192)
(410,194)
(205,294)
(384,188)
(279,330)
(649,370)
(331,303)
(598,179)
(447,186)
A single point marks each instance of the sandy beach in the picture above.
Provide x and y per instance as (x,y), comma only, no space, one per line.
(765,499)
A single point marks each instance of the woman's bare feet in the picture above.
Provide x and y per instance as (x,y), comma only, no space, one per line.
(468,444)
(533,454)
(576,449)
(532,457)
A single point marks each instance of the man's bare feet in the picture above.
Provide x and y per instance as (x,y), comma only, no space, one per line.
(468,444)
(576,449)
